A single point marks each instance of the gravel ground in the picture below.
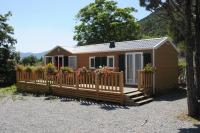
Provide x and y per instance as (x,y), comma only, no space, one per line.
(31,114)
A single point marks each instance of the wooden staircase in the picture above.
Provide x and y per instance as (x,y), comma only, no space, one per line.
(136,98)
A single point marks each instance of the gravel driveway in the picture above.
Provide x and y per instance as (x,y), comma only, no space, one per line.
(31,114)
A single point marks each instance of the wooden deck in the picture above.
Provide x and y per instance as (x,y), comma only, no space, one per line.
(104,87)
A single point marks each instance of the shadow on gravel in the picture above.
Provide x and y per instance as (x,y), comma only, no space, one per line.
(109,106)
(177,94)
(103,105)
(195,129)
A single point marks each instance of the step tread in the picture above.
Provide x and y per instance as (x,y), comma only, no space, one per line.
(134,93)
(131,92)
(138,97)
(145,101)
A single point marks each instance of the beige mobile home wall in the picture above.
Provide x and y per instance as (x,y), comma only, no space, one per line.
(166,63)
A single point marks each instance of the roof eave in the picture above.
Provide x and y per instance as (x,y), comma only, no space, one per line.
(56,48)
(112,51)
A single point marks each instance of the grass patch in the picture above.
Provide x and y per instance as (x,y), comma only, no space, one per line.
(5,91)
(8,90)
(185,117)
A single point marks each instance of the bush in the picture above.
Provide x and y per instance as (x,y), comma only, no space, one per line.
(19,68)
(82,70)
(149,68)
(51,69)
(67,69)
(39,69)
(29,69)
(182,72)
(103,70)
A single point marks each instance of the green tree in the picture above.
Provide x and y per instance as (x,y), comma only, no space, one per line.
(29,60)
(102,21)
(185,16)
(153,25)
(7,51)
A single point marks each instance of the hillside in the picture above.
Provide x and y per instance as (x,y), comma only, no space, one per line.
(153,25)
(38,55)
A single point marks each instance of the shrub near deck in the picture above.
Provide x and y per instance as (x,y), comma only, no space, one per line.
(32,88)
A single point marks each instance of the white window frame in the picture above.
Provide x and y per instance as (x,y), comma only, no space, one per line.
(62,60)
(113,57)
(133,64)
(69,61)
(45,59)
(91,57)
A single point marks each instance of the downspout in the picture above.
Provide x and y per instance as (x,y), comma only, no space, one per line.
(154,91)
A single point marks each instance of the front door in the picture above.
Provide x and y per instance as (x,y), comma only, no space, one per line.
(134,62)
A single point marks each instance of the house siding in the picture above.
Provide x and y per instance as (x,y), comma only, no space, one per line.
(166,63)
(83,59)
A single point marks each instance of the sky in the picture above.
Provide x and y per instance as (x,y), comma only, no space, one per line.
(40,25)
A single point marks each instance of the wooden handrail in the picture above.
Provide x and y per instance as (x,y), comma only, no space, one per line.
(145,81)
(109,82)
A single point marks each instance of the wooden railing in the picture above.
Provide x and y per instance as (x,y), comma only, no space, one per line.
(145,82)
(109,82)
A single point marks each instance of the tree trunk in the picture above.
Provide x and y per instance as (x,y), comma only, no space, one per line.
(192,103)
(197,54)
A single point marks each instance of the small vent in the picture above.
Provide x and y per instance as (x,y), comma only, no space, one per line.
(112,44)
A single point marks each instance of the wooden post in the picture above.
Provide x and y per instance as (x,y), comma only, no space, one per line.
(139,80)
(34,76)
(97,84)
(121,86)
(121,82)
(60,78)
(45,77)
(77,81)
(25,74)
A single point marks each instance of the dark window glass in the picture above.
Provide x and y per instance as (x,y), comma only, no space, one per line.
(147,58)
(110,62)
(92,62)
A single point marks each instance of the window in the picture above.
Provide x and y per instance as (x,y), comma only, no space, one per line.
(110,61)
(92,62)
(72,62)
(48,59)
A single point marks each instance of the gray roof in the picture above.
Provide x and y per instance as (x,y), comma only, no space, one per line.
(144,44)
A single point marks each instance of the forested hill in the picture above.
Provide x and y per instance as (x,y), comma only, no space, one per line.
(154,25)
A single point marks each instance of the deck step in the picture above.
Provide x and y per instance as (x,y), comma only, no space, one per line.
(131,92)
(144,101)
(138,98)
(134,94)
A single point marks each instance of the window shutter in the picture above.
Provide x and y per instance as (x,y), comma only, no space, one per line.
(65,61)
(122,62)
(147,58)
(97,62)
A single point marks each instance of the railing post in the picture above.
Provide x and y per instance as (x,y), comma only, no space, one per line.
(97,84)
(45,77)
(25,78)
(139,80)
(121,86)
(77,81)
(60,78)
(34,76)
(121,82)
